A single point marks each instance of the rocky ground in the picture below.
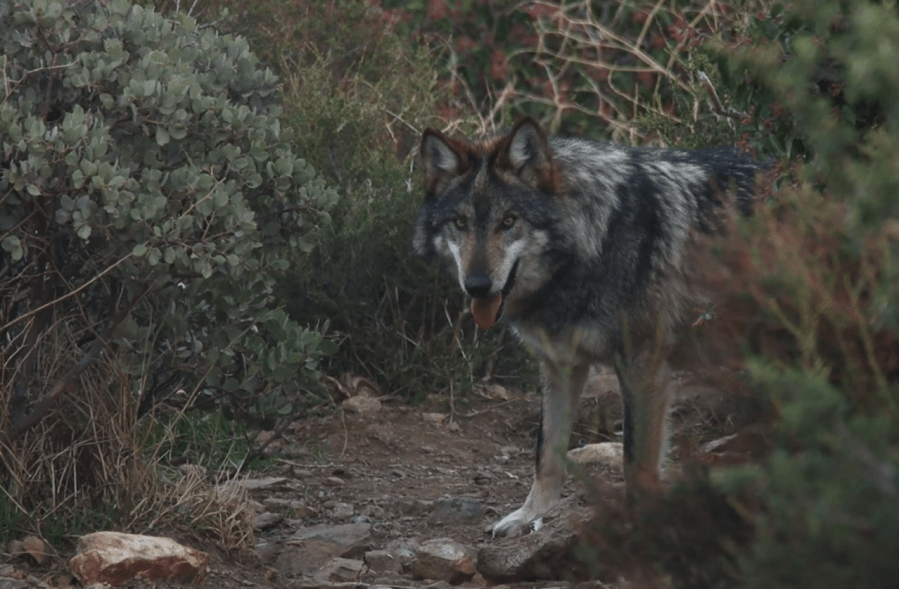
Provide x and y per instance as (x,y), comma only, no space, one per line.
(383,494)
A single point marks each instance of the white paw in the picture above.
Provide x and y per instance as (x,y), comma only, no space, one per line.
(516,523)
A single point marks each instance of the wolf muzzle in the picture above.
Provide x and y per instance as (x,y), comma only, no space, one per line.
(485,307)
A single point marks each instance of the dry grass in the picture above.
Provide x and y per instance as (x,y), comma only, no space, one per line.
(605,66)
(89,464)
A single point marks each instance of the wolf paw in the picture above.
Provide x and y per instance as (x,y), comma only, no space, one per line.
(515,524)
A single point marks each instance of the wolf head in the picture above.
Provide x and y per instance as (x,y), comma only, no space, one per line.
(487,212)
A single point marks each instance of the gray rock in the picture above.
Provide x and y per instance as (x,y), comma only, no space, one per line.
(339,570)
(309,548)
(443,559)
(360,404)
(549,554)
(343,511)
(383,561)
(457,510)
(404,549)
(266,520)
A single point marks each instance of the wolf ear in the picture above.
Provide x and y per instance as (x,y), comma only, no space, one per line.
(526,154)
(442,161)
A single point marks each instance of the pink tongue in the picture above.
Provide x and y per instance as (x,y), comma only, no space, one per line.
(485,310)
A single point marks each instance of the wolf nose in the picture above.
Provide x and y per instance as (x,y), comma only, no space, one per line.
(478,285)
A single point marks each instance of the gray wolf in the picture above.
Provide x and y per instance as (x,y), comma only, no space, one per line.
(588,250)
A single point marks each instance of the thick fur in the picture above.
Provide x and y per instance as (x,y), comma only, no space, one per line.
(588,249)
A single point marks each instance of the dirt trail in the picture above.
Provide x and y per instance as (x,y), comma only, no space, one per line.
(395,467)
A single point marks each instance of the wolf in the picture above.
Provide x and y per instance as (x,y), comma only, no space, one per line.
(588,250)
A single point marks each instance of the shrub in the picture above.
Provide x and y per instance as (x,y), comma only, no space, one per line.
(823,75)
(613,70)
(359,94)
(149,199)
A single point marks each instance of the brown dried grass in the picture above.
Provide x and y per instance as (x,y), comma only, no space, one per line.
(90,464)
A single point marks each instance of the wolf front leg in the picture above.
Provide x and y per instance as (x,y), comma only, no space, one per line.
(562,386)
(645,383)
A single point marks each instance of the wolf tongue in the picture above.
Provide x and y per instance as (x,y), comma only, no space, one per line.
(485,310)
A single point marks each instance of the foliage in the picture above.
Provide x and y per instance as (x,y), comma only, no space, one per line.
(692,534)
(149,200)
(823,75)
(360,94)
(617,70)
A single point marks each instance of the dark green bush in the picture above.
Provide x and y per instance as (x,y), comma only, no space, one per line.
(823,75)
(149,200)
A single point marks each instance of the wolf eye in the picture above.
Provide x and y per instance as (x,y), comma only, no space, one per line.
(460,222)
(509,221)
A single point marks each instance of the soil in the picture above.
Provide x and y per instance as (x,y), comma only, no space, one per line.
(395,465)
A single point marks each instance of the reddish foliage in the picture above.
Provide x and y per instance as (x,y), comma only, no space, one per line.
(498,65)
(598,73)
(525,36)
(465,44)
(437,9)
(646,79)
(640,16)
(606,111)
(800,266)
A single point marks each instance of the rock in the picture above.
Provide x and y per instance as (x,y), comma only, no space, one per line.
(483,477)
(343,511)
(339,570)
(278,503)
(36,548)
(309,548)
(442,559)
(457,510)
(404,549)
(550,554)
(267,520)
(15,548)
(265,484)
(374,511)
(361,405)
(114,558)
(11,577)
(255,507)
(382,561)
(413,507)
(434,417)
(606,453)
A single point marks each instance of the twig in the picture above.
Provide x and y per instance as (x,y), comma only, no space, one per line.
(489,409)
(64,297)
(717,107)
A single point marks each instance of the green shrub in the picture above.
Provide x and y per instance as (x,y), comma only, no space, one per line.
(823,76)
(149,200)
